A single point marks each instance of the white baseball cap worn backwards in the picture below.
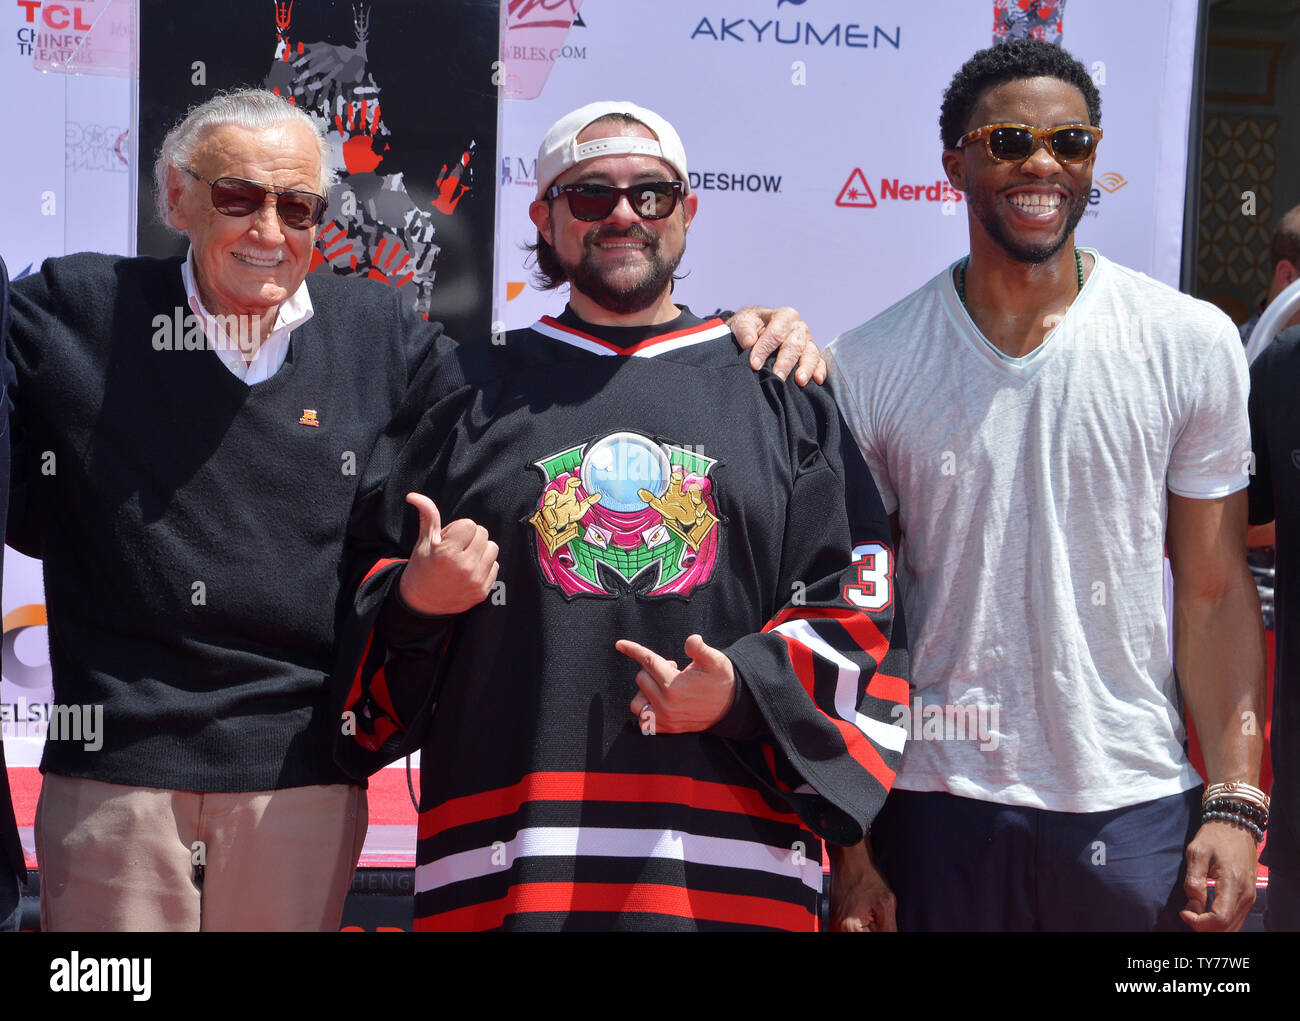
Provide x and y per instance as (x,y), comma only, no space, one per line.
(561,150)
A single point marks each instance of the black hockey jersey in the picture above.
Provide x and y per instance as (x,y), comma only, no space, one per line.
(642,483)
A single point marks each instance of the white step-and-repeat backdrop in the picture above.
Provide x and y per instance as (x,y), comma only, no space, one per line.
(67,180)
(811,127)
(812,132)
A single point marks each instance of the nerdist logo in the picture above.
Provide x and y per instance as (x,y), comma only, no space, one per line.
(857,191)
(804,32)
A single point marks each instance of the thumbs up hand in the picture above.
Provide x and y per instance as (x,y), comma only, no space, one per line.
(450,569)
(681,701)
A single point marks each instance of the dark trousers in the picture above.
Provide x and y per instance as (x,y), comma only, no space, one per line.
(1282,856)
(960,865)
(1282,908)
(11,901)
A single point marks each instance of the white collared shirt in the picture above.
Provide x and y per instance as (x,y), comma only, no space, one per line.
(272,351)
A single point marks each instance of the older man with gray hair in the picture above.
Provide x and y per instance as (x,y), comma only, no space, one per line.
(194,429)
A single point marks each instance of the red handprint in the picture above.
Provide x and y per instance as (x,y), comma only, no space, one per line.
(390,262)
(358,131)
(333,245)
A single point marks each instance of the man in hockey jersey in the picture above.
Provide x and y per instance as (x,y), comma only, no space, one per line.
(623,489)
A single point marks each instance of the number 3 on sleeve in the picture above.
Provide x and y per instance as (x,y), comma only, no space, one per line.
(874,589)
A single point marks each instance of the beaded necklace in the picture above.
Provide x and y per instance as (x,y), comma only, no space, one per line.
(961,275)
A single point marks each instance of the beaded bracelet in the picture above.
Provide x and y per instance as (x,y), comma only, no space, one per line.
(1254,813)
(1236,820)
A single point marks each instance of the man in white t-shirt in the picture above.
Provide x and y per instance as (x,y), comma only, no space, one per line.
(1042,424)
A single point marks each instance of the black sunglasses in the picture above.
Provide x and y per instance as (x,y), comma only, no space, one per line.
(234,196)
(651,200)
(1069,143)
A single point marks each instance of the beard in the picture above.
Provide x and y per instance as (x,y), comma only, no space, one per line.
(615,289)
(1021,251)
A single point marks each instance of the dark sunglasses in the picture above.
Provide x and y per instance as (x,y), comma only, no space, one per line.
(234,196)
(652,200)
(1068,143)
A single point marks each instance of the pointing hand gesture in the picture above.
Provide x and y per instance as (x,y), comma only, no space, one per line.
(451,569)
(673,701)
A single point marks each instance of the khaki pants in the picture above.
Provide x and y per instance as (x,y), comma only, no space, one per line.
(116,858)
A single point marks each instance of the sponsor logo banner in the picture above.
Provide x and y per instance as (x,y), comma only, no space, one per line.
(734,180)
(858,192)
(821,31)
(77,36)
(535,37)
(1103,185)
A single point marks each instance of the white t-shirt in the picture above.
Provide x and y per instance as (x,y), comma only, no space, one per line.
(1032,497)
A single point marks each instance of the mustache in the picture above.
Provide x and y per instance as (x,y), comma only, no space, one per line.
(634,232)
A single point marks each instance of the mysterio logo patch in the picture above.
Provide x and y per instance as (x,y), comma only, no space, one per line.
(626,513)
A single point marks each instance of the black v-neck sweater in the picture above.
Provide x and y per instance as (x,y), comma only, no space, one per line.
(192,525)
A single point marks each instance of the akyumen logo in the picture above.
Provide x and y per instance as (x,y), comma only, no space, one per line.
(792,33)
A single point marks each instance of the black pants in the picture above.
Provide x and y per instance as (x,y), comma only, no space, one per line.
(11,902)
(956,864)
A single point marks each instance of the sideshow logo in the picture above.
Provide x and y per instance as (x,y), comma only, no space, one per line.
(793,33)
(711,180)
(858,193)
(522,171)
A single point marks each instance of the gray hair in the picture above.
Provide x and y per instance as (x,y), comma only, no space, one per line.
(246,108)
